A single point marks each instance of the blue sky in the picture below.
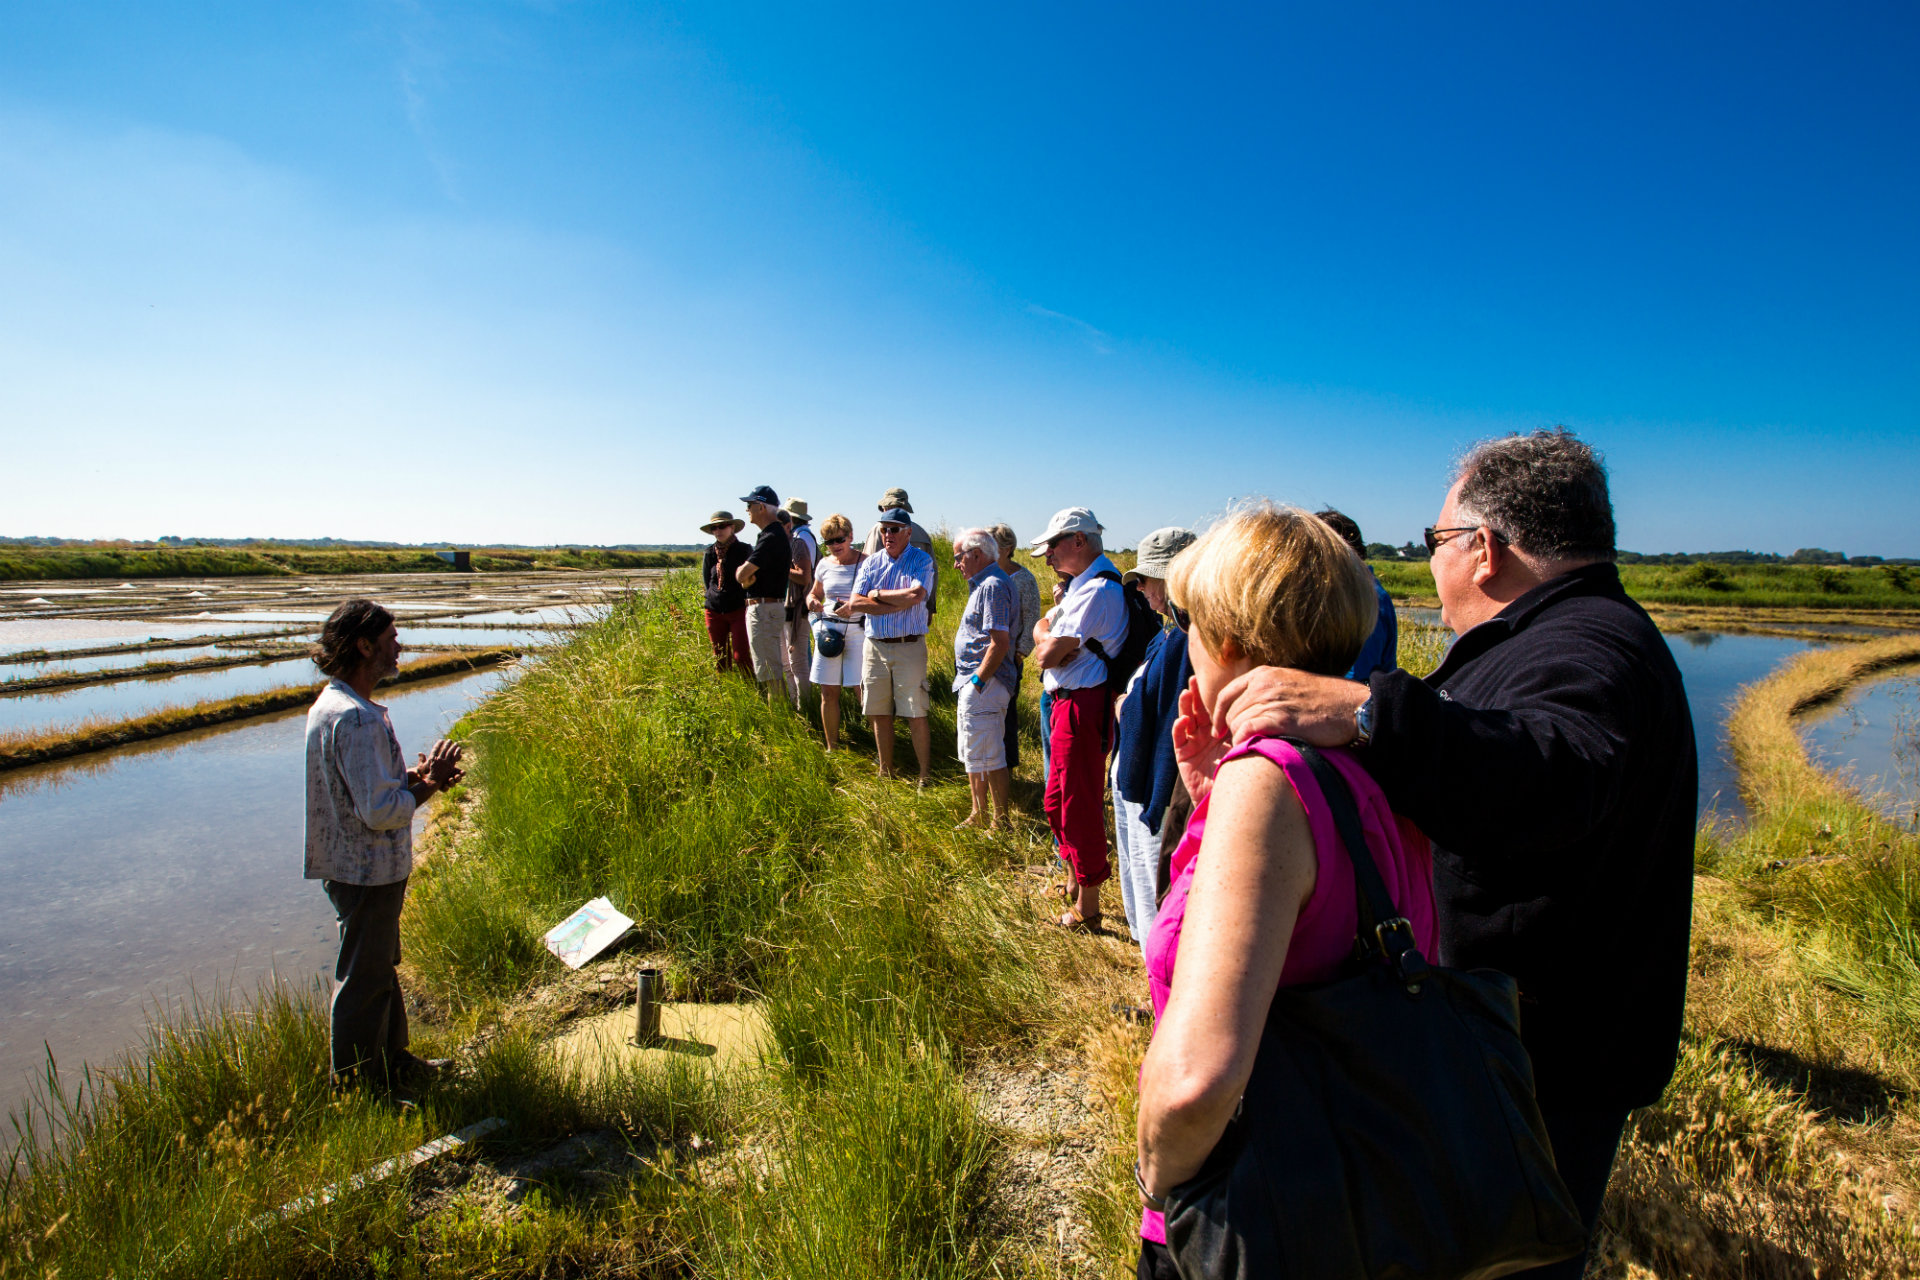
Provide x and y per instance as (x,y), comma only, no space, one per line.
(584,272)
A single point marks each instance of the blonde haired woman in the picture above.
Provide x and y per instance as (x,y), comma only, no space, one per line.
(1262,892)
(833,576)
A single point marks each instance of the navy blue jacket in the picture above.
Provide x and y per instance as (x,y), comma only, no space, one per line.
(1551,760)
(1145,743)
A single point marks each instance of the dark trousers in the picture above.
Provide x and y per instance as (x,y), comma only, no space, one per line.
(1013,723)
(1584,1144)
(1156,1262)
(369,1017)
(727,632)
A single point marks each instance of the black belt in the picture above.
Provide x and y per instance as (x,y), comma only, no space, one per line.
(897,639)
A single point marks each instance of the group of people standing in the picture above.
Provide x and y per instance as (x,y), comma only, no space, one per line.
(1528,808)
(798,610)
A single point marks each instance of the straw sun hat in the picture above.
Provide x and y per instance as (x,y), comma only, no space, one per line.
(719,518)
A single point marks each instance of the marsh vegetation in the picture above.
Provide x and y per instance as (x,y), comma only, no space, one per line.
(906,980)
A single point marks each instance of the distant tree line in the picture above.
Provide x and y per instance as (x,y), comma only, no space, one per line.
(1805,555)
(173,543)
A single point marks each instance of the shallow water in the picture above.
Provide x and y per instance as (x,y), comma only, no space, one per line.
(573,613)
(432,635)
(1873,738)
(145,874)
(106,662)
(1715,666)
(18,635)
(122,699)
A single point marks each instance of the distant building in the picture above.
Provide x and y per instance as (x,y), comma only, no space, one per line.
(462,561)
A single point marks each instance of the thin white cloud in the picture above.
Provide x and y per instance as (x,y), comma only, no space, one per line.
(418,71)
(1098,339)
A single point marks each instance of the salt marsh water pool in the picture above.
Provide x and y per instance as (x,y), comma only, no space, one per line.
(141,875)
(121,699)
(1872,737)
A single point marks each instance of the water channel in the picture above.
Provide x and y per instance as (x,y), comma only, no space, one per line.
(1872,738)
(138,877)
(123,699)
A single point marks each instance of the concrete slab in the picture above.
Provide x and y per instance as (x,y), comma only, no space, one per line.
(728,1036)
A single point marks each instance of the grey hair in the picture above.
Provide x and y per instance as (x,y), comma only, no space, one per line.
(980,540)
(1003,534)
(1093,540)
(1544,492)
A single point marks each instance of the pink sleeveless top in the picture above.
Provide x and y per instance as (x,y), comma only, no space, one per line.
(1323,936)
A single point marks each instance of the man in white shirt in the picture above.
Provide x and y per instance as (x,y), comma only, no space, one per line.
(361,798)
(1071,644)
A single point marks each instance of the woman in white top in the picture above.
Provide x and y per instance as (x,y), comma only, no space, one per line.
(832,586)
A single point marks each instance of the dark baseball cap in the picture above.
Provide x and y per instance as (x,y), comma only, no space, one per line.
(763,493)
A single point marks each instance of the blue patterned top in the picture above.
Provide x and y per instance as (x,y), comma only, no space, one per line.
(881,572)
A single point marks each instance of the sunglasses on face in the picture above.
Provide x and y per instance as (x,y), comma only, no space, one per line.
(1435,541)
(1181,618)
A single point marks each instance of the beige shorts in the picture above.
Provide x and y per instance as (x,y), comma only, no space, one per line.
(893,678)
(767,638)
(982,724)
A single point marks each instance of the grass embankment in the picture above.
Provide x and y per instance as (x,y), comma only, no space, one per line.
(1725,587)
(24,564)
(39,746)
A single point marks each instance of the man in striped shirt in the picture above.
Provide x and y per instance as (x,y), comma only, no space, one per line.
(891,592)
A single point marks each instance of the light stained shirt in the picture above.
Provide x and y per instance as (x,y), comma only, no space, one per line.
(1094,609)
(991,607)
(359,811)
(1028,590)
(881,572)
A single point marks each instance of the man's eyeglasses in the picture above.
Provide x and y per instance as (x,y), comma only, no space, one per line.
(1434,540)
(1181,618)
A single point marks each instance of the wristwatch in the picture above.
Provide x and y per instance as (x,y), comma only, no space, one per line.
(1363,723)
(975,677)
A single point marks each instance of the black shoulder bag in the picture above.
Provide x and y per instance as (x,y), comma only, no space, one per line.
(1389,1129)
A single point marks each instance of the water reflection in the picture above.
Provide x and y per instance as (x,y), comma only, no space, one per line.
(138,875)
(1873,736)
(122,699)
(106,662)
(18,635)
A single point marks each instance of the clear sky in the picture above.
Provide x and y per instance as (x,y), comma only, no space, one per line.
(584,272)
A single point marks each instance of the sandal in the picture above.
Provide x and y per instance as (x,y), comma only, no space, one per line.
(1074,922)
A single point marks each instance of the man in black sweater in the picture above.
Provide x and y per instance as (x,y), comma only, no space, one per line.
(764,576)
(1551,760)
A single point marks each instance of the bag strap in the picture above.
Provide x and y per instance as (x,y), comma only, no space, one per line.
(1094,646)
(1383,930)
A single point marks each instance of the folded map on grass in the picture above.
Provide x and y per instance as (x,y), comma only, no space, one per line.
(587,932)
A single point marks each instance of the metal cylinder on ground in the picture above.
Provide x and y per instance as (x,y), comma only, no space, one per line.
(646,1008)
